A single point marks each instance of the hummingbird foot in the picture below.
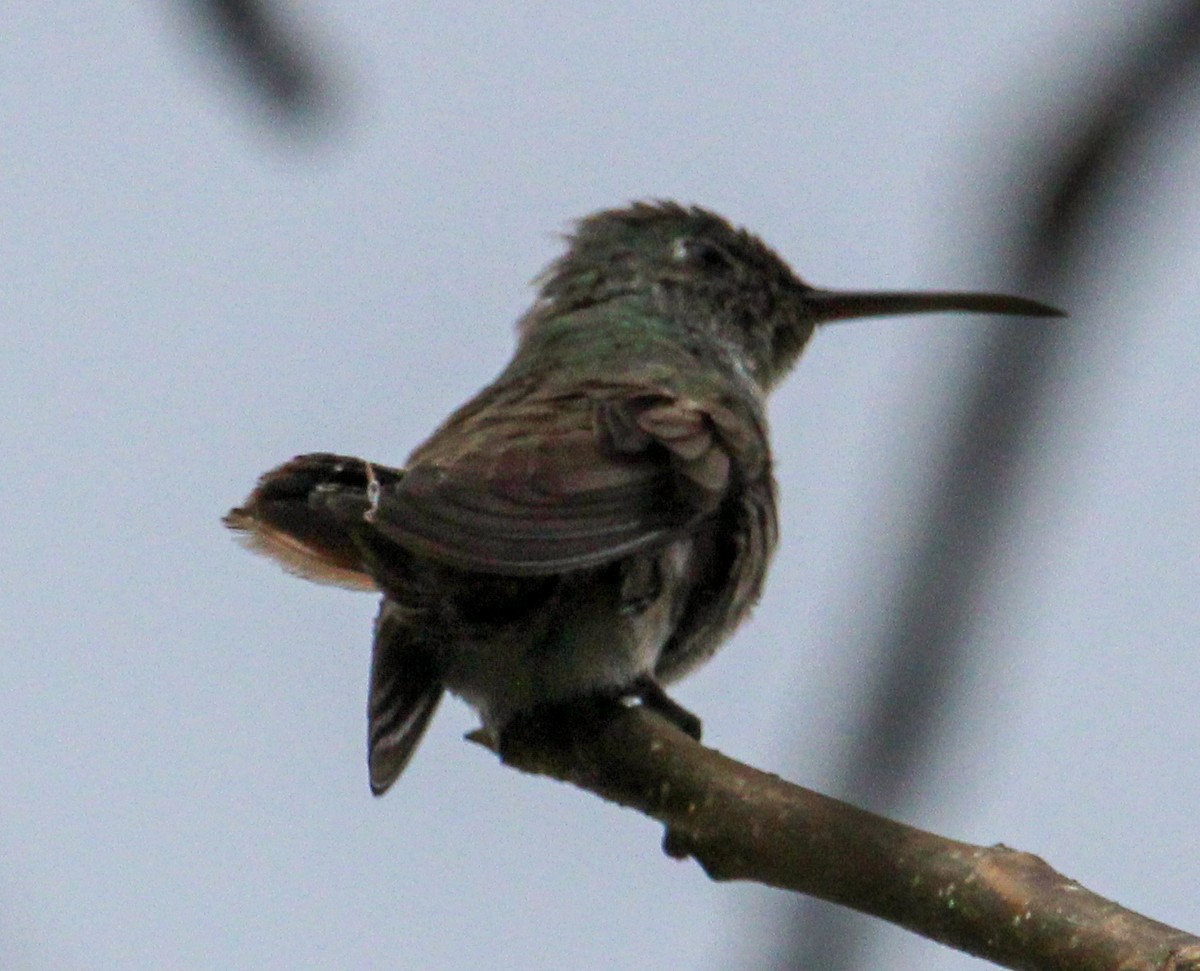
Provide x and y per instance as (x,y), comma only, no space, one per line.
(650,693)
(560,724)
(563,720)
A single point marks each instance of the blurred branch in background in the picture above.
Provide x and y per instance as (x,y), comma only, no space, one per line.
(1076,175)
(275,64)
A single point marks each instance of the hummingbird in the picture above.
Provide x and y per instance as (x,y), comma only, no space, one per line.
(597,520)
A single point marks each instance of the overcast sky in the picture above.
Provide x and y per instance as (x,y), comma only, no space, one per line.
(188,297)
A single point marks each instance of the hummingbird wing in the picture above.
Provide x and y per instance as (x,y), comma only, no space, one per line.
(549,481)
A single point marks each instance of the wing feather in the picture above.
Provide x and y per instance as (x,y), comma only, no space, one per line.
(548,484)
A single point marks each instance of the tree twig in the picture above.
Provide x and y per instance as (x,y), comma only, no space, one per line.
(739,823)
(274,60)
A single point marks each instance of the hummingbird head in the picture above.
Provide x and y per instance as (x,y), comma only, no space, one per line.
(723,282)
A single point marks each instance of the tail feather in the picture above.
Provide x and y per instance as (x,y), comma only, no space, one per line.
(309,515)
(304,515)
(405,691)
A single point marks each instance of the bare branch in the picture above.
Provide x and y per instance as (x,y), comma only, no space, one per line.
(742,824)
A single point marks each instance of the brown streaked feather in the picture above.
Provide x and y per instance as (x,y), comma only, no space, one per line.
(733,552)
(546,484)
(405,691)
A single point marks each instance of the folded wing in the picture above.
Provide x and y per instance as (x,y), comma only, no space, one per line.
(546,484)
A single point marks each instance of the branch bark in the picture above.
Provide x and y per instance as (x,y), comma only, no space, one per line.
(739,823)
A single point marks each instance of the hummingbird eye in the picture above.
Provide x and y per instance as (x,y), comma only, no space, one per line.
(701,253)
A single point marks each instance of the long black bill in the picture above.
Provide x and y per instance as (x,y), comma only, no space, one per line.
(833,305)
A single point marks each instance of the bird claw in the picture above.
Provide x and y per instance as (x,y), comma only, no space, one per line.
(650,693)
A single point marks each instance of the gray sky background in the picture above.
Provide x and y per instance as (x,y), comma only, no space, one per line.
(185,301)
